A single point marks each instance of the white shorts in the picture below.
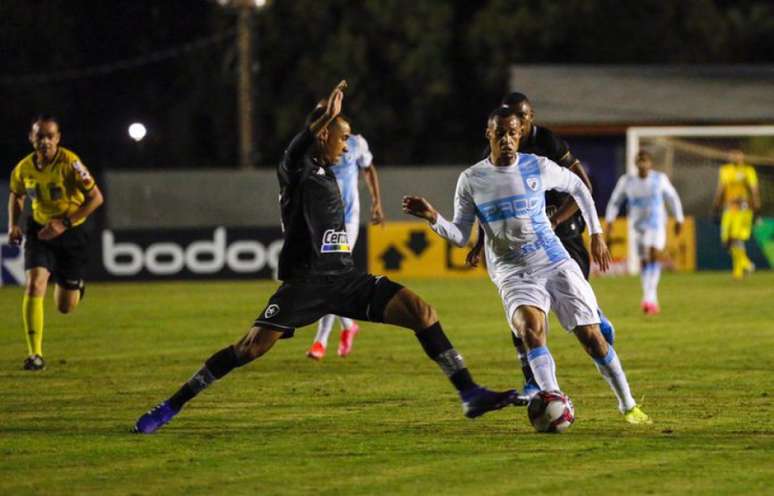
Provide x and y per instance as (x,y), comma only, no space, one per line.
(649,238)
(563,289)
(353,229)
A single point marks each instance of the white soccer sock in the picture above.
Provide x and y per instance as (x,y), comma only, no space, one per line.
(544,368)
(655,276)
(324,328)
(610,368)
(346,323)
(645,279)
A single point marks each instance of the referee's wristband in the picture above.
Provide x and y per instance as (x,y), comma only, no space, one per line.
(67,223)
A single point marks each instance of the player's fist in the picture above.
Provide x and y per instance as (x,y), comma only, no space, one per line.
(377,215)
(15,235)
(599,252)
(474,255)
(419,207)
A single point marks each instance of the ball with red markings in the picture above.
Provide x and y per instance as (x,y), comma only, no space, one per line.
(551,411)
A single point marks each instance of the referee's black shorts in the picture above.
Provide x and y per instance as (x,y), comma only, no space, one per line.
(579,253)
(64,256)
(356,295)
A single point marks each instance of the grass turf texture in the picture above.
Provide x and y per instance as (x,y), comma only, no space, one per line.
(385,420)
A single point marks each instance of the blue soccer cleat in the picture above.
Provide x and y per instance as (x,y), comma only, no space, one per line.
(479,401)
(608,331)
(155,418)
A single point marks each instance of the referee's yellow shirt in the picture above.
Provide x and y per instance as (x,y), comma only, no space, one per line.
(737,181)
(56,190)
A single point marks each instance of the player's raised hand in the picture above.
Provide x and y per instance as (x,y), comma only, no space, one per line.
(335,99)
(599,252)
(419,207)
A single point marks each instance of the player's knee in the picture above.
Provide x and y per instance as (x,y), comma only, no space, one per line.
(65,306)
(253,345)
(36,286)
(531,327)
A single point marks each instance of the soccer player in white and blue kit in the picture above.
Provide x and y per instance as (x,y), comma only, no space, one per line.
(357,158)
(525,259)
(646,192)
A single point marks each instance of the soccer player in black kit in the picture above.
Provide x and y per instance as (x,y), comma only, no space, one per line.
(561,209)
(319,278)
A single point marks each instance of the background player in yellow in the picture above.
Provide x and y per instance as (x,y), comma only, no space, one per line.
(738,195)
(63,194)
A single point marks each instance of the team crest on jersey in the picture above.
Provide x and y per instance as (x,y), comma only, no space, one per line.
(271,311)
(532,182)
(335,242)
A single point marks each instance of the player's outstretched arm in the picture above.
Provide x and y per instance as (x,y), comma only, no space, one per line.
(420,207)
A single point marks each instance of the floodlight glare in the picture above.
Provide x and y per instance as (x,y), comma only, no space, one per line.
(137,131)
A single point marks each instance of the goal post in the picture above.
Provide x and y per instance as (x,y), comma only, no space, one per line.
(691,157)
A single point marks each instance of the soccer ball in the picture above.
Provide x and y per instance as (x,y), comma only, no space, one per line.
(551,411)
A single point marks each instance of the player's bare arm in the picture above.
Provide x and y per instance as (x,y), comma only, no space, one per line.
(420,207)
(56,227)
(372,181)
(15,205)
(332,109)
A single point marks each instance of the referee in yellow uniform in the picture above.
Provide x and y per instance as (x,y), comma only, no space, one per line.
(738,195)
(63,195)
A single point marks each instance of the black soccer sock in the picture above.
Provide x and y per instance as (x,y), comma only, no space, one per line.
(218,365)
(521,352)
(438,347)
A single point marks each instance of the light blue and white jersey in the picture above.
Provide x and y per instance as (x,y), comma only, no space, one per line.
(646,197)
(509,202)
(347,170)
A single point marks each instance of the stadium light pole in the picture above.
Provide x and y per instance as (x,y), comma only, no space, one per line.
(245,108)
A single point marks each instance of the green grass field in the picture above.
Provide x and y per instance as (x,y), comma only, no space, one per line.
(385,420)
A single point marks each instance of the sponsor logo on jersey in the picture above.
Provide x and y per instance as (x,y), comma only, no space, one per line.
(533,184)
(271,311)
(335,242)
(509,208)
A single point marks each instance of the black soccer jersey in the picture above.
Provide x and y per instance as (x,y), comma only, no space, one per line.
(316,241)
(544,142)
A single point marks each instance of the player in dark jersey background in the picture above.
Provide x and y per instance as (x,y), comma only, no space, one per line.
(561,209)
(318,277)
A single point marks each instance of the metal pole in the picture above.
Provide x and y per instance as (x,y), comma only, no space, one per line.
(245,91)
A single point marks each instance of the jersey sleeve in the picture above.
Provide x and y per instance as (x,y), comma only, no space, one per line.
(562,179)
(17,182)
(81,176)
(293,158)
(672,199)
(616,200)
(459,229)
(364,156)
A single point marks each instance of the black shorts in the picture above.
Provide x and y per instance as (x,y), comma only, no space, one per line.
(64,256)
(579,253)
(356,295)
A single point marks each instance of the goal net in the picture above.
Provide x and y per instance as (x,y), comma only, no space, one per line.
(692,156)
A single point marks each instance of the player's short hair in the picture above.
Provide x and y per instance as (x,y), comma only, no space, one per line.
(514,99)
(642,154)
(45,118)
(503,111)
